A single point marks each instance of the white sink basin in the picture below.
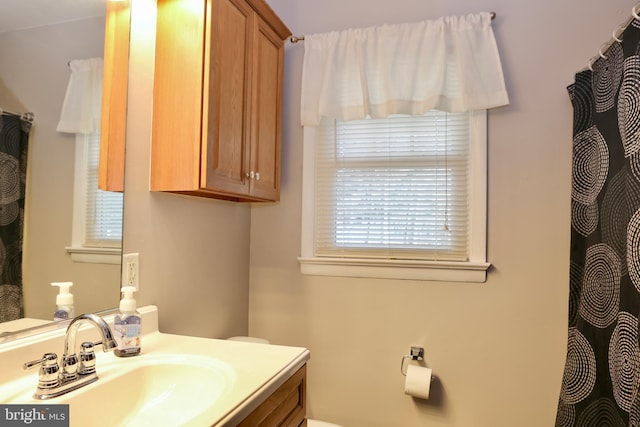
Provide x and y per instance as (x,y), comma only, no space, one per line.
(157,390)
(166,390)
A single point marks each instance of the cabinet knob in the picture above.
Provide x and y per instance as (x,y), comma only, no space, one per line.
(253,175)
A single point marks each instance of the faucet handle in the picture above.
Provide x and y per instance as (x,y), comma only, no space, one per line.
(87,358)
(69,367)
(48,374)
(48,359)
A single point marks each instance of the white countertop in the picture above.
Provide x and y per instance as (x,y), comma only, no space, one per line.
(257,369)
(19,324)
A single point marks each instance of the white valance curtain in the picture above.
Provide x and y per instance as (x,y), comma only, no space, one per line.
(450,64)
(83,100)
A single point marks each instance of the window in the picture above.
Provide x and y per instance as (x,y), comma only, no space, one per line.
(97,214)
(401,197)
(398,197)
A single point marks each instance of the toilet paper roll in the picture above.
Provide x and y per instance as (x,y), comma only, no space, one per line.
(418,381)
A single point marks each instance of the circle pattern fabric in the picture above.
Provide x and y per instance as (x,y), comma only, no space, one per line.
(590,166)
(580,371)
(575,285)
(624,360)
(600,413)
(600,298)
(10,301)
(629,106)
(10,182)
(582,98)
(601,380)
(621,200)
(566,415)
(608,72)
(584,218)
(9,213)
(633,245)
(14,143)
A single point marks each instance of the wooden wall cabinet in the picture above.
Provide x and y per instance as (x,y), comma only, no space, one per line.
(286,407)
(217,108)
(113,125)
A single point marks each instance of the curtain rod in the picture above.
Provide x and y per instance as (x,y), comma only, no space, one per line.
(615,37)
(296,39)
(25,116)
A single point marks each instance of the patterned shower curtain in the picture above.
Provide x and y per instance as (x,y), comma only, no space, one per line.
(14,141)
(601,376)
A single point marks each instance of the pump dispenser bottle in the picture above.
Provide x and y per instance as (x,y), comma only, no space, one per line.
(64,301)
(127,325)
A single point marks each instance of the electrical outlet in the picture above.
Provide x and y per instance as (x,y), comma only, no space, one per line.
(130,270)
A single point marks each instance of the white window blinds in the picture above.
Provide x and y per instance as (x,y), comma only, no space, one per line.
(394,188)
(103,209)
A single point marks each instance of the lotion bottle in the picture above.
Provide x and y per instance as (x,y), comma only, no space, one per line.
(127,325)
(64,301)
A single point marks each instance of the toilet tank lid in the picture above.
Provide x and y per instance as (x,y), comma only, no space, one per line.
(249,339)
(316,423)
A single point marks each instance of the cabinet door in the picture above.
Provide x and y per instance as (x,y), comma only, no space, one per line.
(177,95)
(226,130)
(114,97)
(268,62)
(286,407)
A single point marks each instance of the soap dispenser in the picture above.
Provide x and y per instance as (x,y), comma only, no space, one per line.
(127,325)
(64,301)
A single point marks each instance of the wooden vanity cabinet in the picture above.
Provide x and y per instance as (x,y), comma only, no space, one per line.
(217,108)
(286,407)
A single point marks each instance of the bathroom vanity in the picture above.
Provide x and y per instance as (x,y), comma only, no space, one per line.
(284,407)
(177,380)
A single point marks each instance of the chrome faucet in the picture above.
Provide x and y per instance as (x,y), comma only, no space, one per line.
(76,372)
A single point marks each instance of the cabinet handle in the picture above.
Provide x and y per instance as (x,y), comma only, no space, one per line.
(253,175)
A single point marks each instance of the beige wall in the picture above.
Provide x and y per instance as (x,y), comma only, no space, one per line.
(35,73)
(194,261)
(497,348)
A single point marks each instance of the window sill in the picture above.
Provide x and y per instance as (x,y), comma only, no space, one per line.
(95,255)
(446,271)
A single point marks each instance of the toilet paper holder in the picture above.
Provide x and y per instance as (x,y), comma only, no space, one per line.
(416,353)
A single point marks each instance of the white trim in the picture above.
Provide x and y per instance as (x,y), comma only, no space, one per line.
(475,270)
(79,191)
(308,191)
(95,255)
(447,271)
(478,187)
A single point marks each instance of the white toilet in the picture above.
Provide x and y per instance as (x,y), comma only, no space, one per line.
(316,423)
(310,423)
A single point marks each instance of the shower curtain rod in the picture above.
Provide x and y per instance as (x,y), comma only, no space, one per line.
(615,37)
(296,39)
(25,116)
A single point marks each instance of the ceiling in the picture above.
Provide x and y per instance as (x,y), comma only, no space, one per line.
(22,14)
